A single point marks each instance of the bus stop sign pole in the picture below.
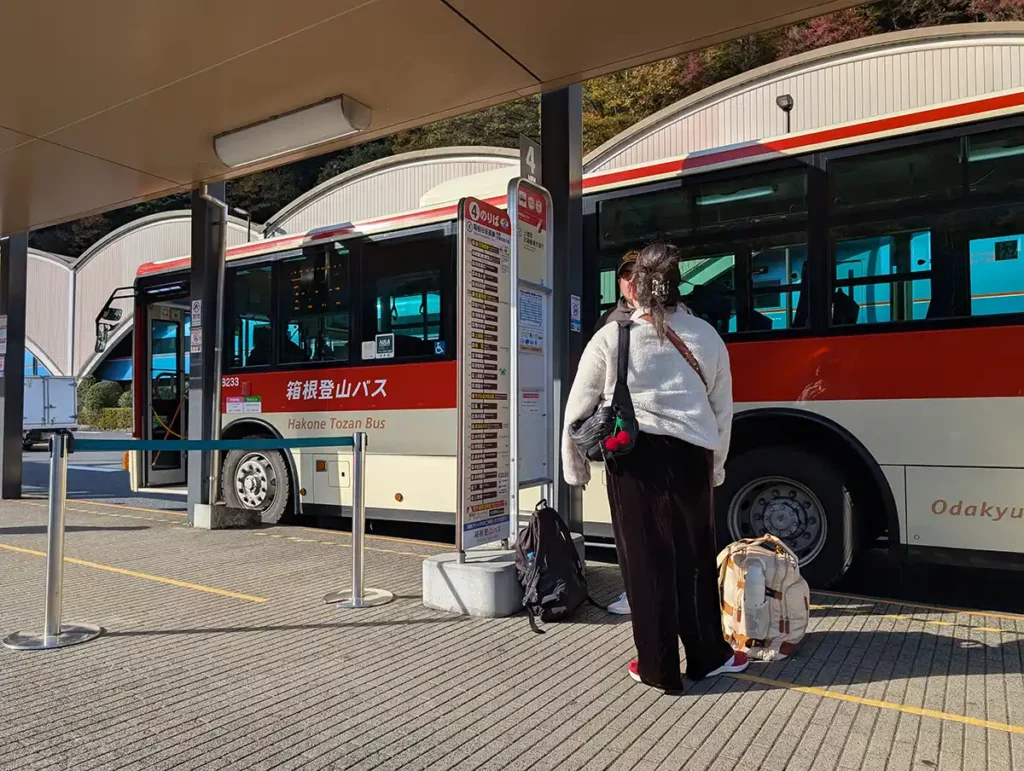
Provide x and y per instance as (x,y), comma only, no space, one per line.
(55,634)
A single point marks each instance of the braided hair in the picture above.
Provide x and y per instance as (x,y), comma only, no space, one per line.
(656,279)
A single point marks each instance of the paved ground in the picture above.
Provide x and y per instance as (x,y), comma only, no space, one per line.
(93,475)
(220,654)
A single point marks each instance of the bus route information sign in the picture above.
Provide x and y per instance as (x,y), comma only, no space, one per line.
(484,358)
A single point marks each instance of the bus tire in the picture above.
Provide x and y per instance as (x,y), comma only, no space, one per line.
(257,480)
(795,495)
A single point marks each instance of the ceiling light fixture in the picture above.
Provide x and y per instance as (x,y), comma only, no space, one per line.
(306,127)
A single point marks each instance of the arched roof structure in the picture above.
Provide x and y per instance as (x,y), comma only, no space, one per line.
(113,261)
(386,186)
(49,284)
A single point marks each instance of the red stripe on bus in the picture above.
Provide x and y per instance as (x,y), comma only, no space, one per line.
(941,364)
(283,242)
(425,386)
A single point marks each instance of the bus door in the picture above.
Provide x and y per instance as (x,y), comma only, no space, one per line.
(167,392)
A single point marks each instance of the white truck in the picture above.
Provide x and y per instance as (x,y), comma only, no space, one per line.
(51,404)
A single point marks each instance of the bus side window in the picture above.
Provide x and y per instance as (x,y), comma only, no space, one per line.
(885,277)
(249,301)
(404,292)
(315,313)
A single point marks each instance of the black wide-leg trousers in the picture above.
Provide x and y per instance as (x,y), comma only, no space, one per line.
(662,514)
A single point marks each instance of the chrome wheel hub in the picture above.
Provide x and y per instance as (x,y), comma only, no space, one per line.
(255,482)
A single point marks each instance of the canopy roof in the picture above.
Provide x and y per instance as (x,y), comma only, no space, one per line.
(101,108)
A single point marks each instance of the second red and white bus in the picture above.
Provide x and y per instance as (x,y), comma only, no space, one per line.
(867,278)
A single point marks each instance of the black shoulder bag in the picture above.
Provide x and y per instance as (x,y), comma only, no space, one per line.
(612,430)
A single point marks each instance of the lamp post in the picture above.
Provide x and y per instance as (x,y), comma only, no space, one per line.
(785,103)
(248,222)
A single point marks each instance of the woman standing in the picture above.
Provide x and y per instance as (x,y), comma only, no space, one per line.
(661,492)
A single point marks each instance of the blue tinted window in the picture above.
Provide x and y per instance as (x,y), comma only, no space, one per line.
(997,275)
(873,278)
(777,275)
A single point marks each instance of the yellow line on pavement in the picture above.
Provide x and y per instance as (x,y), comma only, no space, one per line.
(905,708)
(933,608)
(130,508)
(384,538)
(911,617)
(144,576)
(367,548)
(121,516)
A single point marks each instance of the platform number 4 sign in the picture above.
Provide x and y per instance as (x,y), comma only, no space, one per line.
(529,159)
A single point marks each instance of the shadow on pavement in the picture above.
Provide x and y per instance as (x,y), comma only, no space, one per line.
(41,529)
(281,627)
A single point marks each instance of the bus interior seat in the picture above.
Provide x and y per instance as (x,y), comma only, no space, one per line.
(759,322)
(800,316)
(707,304)
(259,354)
(845,310)
(938,308)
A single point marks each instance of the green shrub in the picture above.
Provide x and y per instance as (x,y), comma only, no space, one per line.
(101,396)
(126,399)
(84,386)
(113,419)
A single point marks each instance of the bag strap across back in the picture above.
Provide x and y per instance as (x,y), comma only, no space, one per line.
(683,349)
(621,395)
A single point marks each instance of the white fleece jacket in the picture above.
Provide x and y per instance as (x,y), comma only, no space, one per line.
(668,396)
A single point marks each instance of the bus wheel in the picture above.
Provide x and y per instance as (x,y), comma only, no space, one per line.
(795,496)
(257,480)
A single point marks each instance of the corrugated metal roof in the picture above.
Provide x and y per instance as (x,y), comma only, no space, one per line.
(384,187)
(47,329)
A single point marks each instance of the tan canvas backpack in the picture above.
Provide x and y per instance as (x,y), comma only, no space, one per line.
(765,601)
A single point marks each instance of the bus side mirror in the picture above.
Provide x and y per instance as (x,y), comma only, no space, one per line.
(109,316)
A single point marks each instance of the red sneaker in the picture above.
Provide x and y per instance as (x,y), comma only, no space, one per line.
(737,663)
(634,670)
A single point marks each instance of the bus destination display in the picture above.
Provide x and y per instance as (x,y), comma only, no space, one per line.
(485,237)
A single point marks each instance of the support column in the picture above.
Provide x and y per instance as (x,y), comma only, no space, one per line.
(561,126)
(207,252)
(13,274)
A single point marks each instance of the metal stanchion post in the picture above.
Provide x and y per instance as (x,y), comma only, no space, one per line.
(55,634)
(359,597)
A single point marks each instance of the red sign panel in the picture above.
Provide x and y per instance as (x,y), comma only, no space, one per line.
(426,386)
(483,213)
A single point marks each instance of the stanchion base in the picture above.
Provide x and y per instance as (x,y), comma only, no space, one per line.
(70,634)
(371,598)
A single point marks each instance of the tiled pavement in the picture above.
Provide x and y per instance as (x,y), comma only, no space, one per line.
(259,674)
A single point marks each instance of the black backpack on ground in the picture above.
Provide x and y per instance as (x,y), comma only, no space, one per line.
(549,568)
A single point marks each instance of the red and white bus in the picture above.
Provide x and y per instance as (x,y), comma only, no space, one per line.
(867,277)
